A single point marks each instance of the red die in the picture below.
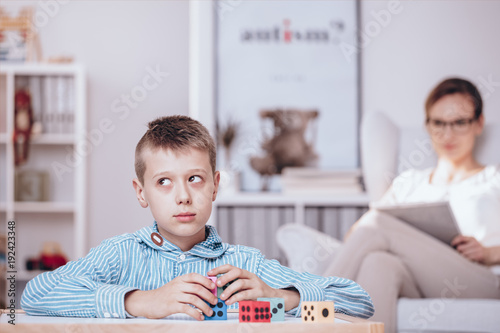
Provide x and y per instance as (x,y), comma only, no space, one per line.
(255,312)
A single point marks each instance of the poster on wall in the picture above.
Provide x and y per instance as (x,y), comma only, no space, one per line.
(298,55)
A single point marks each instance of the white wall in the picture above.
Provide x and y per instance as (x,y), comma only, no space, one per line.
(117,41)
(423,44)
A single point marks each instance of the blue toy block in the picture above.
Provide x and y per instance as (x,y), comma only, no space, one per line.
(277,308)
(220,311)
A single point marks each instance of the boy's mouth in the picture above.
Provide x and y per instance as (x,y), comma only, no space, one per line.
(185,217)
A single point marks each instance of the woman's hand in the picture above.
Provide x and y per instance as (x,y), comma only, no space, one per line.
(249,286)
(471,249)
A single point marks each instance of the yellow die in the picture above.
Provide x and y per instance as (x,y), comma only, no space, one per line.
(318,312)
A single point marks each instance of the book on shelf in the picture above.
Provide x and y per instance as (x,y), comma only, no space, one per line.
(35,89)
(340,190)
(321,181)
(307,172)
(57,105)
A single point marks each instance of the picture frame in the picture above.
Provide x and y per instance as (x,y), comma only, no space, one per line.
(31,185)
(288,55)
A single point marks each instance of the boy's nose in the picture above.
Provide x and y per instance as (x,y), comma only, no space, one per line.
(182,195)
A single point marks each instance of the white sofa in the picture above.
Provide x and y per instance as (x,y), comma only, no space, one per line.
(387,150)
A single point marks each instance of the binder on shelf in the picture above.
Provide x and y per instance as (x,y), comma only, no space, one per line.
(35,89)
(60,105)
(70,105)
(47,105)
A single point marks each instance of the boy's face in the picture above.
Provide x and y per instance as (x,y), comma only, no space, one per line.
(179,187)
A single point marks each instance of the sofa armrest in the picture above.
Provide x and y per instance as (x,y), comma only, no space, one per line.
(379,152)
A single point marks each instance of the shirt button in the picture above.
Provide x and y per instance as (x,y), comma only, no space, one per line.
(182,257)
(106,315)
(231,249)
(116,315)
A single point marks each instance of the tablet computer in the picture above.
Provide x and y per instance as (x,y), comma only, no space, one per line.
(434,218)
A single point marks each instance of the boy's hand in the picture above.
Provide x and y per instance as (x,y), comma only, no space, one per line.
(249,287)
(173,297)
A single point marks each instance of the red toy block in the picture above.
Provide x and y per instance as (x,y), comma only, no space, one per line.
(255,312)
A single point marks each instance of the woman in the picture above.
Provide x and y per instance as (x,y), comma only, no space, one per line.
(391,259)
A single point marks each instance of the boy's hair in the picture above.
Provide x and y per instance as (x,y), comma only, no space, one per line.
(455,86)
(175,133)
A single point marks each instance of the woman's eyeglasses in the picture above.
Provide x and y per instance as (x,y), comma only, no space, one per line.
(459,126)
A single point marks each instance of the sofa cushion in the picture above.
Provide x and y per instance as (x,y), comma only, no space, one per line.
(448,315)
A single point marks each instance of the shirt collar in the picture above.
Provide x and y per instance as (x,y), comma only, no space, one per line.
(211,247)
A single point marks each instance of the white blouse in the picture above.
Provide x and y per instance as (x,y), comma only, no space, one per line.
(475,201)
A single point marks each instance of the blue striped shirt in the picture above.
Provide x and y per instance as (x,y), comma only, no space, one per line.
(95,286)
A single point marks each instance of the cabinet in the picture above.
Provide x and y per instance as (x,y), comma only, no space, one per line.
(252,219)
(57,153)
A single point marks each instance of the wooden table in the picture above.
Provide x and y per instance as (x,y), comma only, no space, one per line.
(180,323)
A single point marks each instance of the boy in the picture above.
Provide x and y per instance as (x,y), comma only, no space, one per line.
(161,270)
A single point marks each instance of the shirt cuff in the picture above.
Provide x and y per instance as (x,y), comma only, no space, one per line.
(309,293)
(110,301)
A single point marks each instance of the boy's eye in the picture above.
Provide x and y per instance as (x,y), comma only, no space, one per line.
(164,181)
(195,179)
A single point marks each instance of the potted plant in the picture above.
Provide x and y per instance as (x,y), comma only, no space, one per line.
(230,175)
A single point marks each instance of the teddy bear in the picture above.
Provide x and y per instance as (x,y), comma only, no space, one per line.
(288,146)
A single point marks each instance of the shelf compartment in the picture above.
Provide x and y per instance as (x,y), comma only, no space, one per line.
(44,207)
(54,139)
(45,139)
(37,69)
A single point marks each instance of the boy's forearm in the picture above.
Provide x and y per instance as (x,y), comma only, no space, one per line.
(133,303)
(291,297)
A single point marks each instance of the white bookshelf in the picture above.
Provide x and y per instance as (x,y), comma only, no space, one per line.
(63,217)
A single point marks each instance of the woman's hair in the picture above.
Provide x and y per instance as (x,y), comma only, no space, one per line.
(455,86)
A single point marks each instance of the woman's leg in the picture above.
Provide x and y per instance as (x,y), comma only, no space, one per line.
(434,266)
(386,278)
(391,259)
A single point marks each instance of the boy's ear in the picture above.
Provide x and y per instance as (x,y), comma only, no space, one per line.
(216,185)
(139,191)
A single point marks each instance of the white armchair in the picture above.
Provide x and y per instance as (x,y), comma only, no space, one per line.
(386,151)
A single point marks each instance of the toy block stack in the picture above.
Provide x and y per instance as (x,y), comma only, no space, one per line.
(220,309)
